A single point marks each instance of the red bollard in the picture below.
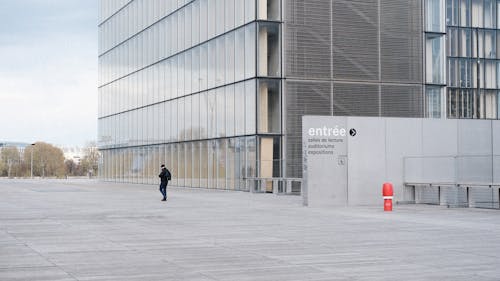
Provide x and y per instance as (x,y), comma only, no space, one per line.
(387,193)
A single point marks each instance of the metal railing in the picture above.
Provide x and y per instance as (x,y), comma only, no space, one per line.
(472,195)
(276,185)
(454,181)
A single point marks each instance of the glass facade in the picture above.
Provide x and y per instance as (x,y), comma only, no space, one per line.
(185,83)
(473,65)
(216,89)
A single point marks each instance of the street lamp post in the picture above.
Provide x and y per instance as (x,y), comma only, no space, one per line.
(32,148)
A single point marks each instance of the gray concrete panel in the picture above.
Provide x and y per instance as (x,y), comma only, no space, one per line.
(496,150)
(325,156)
(367,161)
(439,137)
(402,150)
(403,139)
(474,137)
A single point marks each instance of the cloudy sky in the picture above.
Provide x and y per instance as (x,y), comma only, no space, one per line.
(48,71)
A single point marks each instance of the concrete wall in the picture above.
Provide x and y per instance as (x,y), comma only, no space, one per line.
(397,150)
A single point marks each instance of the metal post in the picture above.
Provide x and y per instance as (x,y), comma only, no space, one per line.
(32,148)
(478,80)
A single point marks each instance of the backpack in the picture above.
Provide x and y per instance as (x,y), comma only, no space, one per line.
(169,175)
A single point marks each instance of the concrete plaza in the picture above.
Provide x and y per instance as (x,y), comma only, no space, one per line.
(89,230)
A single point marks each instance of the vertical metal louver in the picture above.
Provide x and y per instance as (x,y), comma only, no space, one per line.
(355,40)
(307,39)
(401,41)
(304,98)
(355,99)
(402,101)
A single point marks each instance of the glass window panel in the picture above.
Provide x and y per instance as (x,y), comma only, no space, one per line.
(188,72)
(229,68)
(229,15)
(195,118)
(231,164)
(212,164)
(453,77)
(203,20)
(221,61)
(490,105)
(211,18)
(187,130)
(490,44)
(239,12)
(239,103)
(498,74)
(174,34)
(465,42)
(230,111)
(269,109)
(219,16)
(163,81)
(181,168)
(490,74)
(203,67)
(452,41)
(435,59)
(239,55)
(221,112)
(181,121)
(195,70)
(489,13)
(212,118)
(249,10)
(196,22)
(189,164)
(168,121)
(181,71)
(269,50)
(168,38)
(168,79)
(434,15)
(174,72)
(195,181)
(175,134)
(250,51)
(250,107)
(465,73)
(221,163)
(212,63)
(433,97)
(251,157)
(157,119)
(188,32)
(477,13)
(204,115)
(204,163)
(465,13)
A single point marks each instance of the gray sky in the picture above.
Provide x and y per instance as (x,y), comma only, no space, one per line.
(48,71)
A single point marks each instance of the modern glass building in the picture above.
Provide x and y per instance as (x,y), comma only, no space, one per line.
(216,89)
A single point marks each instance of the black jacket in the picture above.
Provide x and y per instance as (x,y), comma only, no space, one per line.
(164,175)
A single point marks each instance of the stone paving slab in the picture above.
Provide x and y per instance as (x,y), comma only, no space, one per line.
(89,230)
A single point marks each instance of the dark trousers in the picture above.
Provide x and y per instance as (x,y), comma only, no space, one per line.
(163,189)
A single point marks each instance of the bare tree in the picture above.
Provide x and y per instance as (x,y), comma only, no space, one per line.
(10,159)
(90,161)
(48,160)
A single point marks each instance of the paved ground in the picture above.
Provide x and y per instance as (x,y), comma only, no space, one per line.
(83,230)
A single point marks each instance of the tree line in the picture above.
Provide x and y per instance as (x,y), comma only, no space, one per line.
(46,160)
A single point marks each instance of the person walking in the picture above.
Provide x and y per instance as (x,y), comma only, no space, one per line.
(165,176)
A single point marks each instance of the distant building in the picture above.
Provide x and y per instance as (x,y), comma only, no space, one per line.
(19,145)
(73,153)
